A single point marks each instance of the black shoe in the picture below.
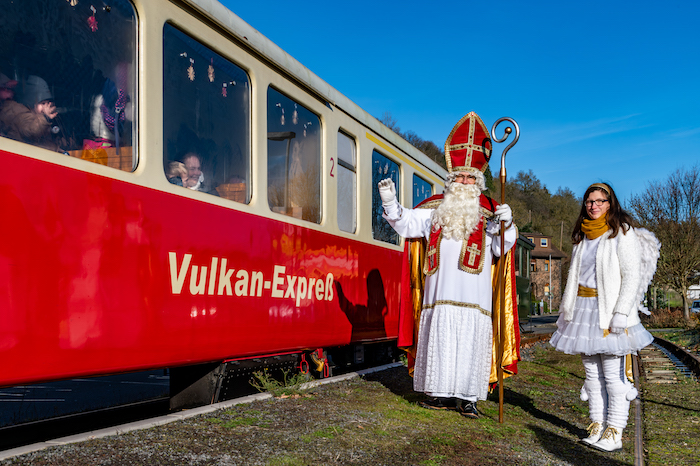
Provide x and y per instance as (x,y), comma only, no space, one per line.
(468,409)
(438,403)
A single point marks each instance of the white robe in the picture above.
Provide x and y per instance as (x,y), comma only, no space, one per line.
(453,357)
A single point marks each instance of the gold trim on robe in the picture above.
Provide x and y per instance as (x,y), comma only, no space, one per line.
(415,250)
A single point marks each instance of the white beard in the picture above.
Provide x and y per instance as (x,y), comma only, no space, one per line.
(458,214)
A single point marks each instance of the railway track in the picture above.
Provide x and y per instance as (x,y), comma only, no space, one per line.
(665,362)
(661,362)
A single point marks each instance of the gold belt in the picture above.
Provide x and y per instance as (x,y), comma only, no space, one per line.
(585,292)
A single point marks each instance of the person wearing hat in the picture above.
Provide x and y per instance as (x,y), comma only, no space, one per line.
(31,119)
(461,229)
(612,264)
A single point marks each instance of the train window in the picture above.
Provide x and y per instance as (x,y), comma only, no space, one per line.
(422,190)
(206,119)
(68,78)
(347,183)
(382,168)
(293,158)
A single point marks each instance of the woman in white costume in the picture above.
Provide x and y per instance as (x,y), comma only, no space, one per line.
(598,314)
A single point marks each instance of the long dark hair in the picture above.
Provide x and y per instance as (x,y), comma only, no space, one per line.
(617,218)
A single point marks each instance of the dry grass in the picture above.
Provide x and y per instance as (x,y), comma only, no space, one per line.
(670,318)
(376,420)
(672,423)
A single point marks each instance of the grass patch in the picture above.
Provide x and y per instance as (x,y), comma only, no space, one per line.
(241,421)
(435,460)
(328,432)
(441,440)
(688,339)
(290,385)
(672,423)
(375,420)
(286,460)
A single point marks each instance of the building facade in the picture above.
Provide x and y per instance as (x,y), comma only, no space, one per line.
(545,271)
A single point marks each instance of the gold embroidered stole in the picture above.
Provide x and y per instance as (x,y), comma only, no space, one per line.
(471,259)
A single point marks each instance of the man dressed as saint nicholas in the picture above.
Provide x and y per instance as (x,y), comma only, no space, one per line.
(446,314)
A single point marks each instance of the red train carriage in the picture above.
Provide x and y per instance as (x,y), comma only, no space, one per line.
(188,194)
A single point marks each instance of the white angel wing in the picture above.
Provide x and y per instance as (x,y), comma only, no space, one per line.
(650,255)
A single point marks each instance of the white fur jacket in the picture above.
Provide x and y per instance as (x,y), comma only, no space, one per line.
(619,278)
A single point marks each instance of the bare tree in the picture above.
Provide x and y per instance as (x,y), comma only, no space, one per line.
(671,209)
(390,122)
(429,148)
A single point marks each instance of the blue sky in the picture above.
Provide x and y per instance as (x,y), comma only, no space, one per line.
(602,90)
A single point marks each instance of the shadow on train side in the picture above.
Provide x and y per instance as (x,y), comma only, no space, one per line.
(367,320)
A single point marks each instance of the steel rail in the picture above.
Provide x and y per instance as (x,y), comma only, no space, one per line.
(691,361)
(638,436)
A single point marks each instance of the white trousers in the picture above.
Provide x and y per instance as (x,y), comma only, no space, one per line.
(607,387)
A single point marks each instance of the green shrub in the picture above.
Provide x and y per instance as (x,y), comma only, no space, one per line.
(289,385)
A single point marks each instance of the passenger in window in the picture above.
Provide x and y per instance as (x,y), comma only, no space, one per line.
(195,177)
(177,173)
(109,112)
(32,119)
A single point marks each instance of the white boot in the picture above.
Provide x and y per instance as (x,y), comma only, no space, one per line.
(610,441)
(595,431)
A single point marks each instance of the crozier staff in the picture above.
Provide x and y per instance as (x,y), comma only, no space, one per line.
(612,263)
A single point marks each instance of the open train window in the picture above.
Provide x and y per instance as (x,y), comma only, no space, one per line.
(422,190)
(68,78)
(382,168)
(347,183)
(206,119)
(293,158)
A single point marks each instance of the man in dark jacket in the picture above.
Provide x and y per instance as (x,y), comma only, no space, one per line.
(32,120)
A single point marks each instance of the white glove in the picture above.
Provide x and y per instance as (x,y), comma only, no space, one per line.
(387,191)
(504,214)
(618,323)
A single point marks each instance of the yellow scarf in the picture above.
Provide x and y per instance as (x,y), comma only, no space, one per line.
(594,228)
